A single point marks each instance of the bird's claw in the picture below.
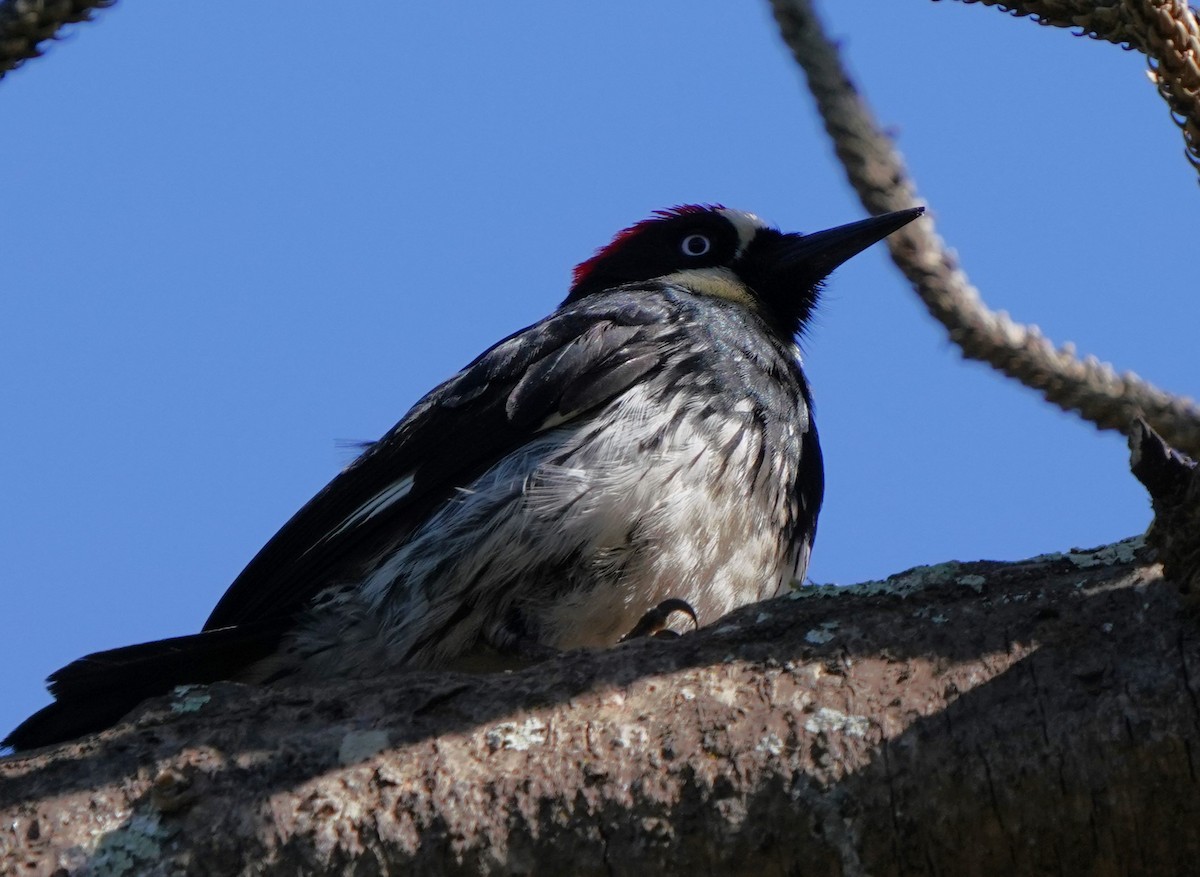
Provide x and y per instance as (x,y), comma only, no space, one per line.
(654,622)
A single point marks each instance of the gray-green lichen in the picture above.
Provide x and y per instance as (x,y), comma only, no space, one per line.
(358,746)
(1118,552)
(189,699)
(974,582)
(132,849)
(818,636)
(921,577)
(1106,555)
(899,585)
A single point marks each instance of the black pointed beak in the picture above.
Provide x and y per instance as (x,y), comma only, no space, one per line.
(816,255)
(786,270)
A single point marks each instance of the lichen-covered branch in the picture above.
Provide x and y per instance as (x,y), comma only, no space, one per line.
(1167,32)
(986,719)
(24,24)
(877,173)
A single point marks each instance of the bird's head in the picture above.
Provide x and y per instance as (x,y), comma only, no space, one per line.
(714,251)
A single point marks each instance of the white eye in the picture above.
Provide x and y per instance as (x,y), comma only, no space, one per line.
(695,245)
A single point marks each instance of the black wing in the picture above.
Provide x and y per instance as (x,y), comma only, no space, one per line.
(555,370)
(549,373)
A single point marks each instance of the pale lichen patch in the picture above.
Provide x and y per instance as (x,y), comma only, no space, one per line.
(974,582)
(189,699)
(1124,551)
(827,720)
(358,746)
(818,636)
(922,577)
(518,736)
(770,744)
(726,691)
(1107,555)
(899,585)
(630,736)
(131,849)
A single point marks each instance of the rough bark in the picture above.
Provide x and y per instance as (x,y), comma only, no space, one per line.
(1173,481)
(967,719)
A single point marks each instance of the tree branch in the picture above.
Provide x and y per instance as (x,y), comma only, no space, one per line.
(966,718)
(26,23)
(878,175)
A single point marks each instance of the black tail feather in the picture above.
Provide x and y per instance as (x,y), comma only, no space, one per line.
(94,692)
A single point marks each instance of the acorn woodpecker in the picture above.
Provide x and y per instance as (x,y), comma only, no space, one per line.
(648,444)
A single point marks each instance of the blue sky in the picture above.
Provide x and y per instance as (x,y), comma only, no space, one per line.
(231,238)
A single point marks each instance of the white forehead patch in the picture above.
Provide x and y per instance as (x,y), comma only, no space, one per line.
(747,225)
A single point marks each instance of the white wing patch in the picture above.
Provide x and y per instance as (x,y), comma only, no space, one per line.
(386,498)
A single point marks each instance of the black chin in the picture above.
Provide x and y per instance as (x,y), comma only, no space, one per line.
(786,270)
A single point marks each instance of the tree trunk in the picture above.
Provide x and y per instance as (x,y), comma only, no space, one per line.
(963,719)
